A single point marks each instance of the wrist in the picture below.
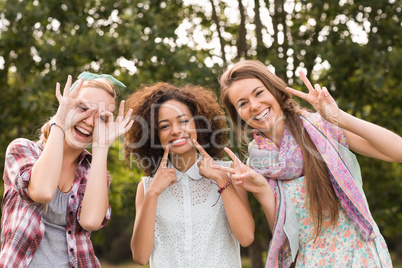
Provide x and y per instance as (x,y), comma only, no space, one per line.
(152,193)
(100,149)
(57,126)
(222,180)
(341,119)
(220,190)
(265,192)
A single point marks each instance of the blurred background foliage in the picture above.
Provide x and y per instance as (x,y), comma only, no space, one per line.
(353,47)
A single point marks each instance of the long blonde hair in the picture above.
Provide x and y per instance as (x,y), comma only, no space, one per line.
(100,83)
(320,193)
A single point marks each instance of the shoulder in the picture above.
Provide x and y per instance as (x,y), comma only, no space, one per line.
(251,145)
(23,146)
(331,130)
(312,117)
(146,181)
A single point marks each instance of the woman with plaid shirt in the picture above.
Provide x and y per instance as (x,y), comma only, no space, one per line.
(55,191)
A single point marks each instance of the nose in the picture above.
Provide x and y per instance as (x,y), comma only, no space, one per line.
(176,129)
(89,120)
(254,105)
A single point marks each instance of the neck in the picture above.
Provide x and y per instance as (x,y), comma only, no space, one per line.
(70,155)
(183,163)
(276,133)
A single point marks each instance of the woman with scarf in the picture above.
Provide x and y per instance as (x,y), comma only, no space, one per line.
(302,172)
(55,191)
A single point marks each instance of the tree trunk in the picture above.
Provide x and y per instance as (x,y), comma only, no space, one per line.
(218,29)
(261,54)
(241,43)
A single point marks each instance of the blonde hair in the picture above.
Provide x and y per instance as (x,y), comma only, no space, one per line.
(100,83)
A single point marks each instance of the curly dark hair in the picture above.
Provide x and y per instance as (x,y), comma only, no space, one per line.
(142,141)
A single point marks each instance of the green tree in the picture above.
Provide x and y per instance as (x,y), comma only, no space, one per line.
(353,47)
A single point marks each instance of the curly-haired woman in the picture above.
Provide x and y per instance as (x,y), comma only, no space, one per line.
(187,213)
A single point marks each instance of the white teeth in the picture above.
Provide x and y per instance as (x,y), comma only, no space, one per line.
(83,130)
(259,117)
(177,141)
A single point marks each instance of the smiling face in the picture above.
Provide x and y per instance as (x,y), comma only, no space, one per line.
(80,135)
(256,106)
(176,128)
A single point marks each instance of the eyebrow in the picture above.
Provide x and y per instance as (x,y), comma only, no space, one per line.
(252,92)
(166,120)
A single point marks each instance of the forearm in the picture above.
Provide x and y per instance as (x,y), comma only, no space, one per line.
(267,200)
(142,240)
(380,139)
(47,170)
(240,218)
(96,201)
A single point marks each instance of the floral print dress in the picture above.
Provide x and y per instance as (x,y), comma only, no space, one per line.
(339,246)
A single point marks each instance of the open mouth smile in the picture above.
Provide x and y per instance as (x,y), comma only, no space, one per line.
(82,133)
(179,141)
(262,115)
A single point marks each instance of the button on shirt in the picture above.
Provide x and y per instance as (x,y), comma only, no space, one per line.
(189,230)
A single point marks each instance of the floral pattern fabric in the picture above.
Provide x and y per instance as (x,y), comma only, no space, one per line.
(284,164)
(339,246)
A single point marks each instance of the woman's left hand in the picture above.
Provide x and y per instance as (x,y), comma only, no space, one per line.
(206,165)
(319,98)
(107,130)
(244,176)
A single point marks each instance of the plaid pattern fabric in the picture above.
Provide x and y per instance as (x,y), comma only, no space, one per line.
(22,227)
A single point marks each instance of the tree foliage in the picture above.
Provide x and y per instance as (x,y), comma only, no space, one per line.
(353,47)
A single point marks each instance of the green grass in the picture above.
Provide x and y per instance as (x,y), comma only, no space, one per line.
(397,263)
(245,264)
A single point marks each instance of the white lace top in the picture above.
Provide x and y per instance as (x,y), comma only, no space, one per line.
(189,230)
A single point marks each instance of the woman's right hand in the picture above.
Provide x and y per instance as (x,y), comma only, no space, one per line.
(319,98)
(244,176)
(68,114)
(164,176)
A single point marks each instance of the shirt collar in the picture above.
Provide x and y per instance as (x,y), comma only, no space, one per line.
(193,172)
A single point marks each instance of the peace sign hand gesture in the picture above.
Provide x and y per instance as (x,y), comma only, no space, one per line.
(244,176)
(164,176)
(319,98)
(206,165)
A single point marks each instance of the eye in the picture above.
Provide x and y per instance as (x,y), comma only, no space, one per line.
(241,104)
(259,92)
(103,118)
(161,127)
(83,108)
(184,121)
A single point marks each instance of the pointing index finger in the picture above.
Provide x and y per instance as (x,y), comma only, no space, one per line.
(235,159)
(165,157)
(200,149)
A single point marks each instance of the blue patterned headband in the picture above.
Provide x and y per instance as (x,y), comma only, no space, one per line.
(90,76)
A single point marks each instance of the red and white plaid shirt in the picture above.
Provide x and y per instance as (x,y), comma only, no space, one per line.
(22,227)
